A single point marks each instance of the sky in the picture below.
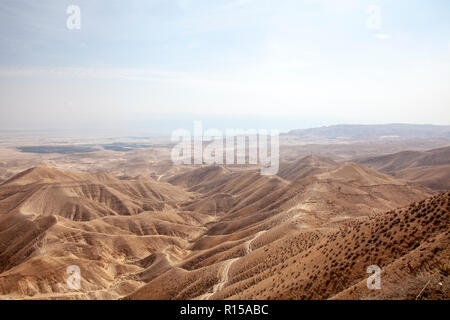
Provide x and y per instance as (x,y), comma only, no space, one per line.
(286,63)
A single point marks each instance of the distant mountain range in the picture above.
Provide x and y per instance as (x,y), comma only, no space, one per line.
(356,131)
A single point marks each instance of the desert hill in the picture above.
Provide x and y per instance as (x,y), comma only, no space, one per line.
(51,219)
(430,168)
(305,210)
(434,177)
(80,196)
(410,245)
(311,182)
(304,167)
(212,232)
(408,159)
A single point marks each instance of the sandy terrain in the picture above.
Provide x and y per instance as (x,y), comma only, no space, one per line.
(139,227)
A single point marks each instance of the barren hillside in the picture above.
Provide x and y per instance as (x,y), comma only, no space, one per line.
(430,168)
(210,233)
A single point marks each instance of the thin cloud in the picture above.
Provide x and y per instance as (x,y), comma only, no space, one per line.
(382,36)
(93,73)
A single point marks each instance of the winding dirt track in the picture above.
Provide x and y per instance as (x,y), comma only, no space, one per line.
(167,255)
(226,269)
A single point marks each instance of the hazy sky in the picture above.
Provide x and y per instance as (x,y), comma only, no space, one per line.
(310,62)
